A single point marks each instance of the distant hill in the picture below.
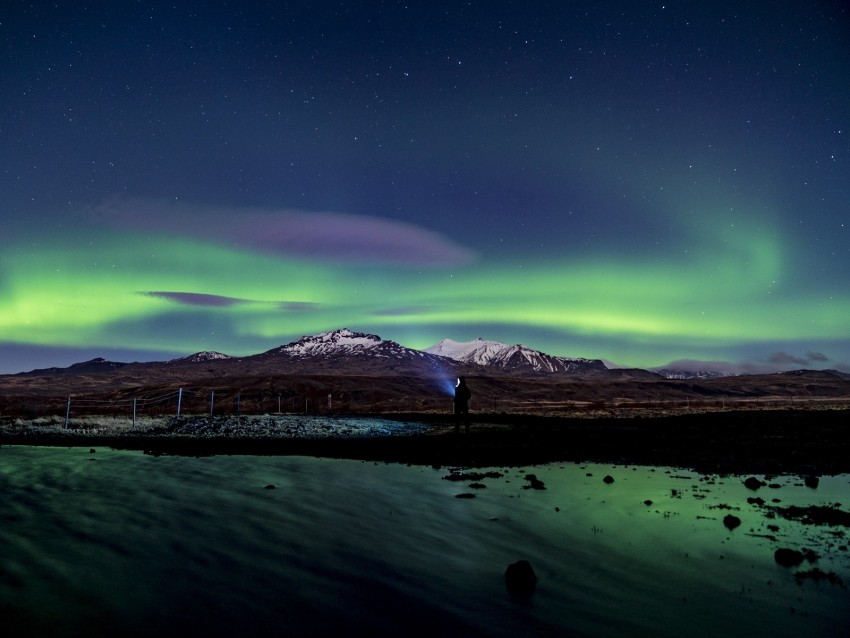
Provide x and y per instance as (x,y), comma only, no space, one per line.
(93,366)
(202,357)
(682,373)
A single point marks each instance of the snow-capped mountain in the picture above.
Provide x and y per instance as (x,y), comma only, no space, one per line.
(495,354)
(344,343)
(348,352)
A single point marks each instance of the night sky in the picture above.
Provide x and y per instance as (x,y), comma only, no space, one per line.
(641,182)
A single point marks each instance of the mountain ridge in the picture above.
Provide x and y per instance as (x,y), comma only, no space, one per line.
(336,347)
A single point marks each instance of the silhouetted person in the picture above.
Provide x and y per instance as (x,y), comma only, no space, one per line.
(461,400)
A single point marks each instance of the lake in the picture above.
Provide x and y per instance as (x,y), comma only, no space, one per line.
(117,542)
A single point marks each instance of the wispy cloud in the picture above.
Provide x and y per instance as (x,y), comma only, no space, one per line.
(196,298)
(402,311)
(297,306)
(220,301)
(322,236)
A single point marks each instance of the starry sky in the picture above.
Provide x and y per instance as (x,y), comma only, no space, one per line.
(644,182)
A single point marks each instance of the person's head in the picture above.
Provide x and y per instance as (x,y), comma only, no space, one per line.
(461,381)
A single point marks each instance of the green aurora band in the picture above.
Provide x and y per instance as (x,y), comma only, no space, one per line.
(127,290)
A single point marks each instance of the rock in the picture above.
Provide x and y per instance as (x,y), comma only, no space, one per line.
(731,522)
(788,557)
(753,483)
(520,579)
(608,479)
(755,500)
(815,514)
(812,482)
(464,476)
(269,487)
(647,502)
(92,451)
(465,495)
(477,486)
(534,483)
(818,575)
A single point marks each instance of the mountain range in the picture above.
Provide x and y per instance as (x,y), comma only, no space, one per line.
(345,352)
(364,373)
(341,349)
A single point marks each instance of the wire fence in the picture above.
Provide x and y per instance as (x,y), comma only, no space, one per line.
(185,402)
(181,402)
(216,403)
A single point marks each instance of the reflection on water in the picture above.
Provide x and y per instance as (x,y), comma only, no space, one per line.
(120,542)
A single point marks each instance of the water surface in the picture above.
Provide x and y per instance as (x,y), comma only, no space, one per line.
(122,542)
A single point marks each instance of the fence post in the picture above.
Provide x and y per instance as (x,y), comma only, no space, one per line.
(179,400)
(212,401)
(134,414)
(67,412)
(238,398)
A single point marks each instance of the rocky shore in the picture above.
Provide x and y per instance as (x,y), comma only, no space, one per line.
(807,442)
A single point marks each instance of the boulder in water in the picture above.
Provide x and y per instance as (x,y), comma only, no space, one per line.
(520,579)
(788,557)
(534,483)
(731,522)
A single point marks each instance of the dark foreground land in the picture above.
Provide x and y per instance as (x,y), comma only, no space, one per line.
(732,442)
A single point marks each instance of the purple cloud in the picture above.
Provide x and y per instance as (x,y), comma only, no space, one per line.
(321,236)
(196,298)
(817,356)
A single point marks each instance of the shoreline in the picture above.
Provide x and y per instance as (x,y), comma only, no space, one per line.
(804,442)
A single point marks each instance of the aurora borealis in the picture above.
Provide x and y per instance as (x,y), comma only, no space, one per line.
(642,182)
